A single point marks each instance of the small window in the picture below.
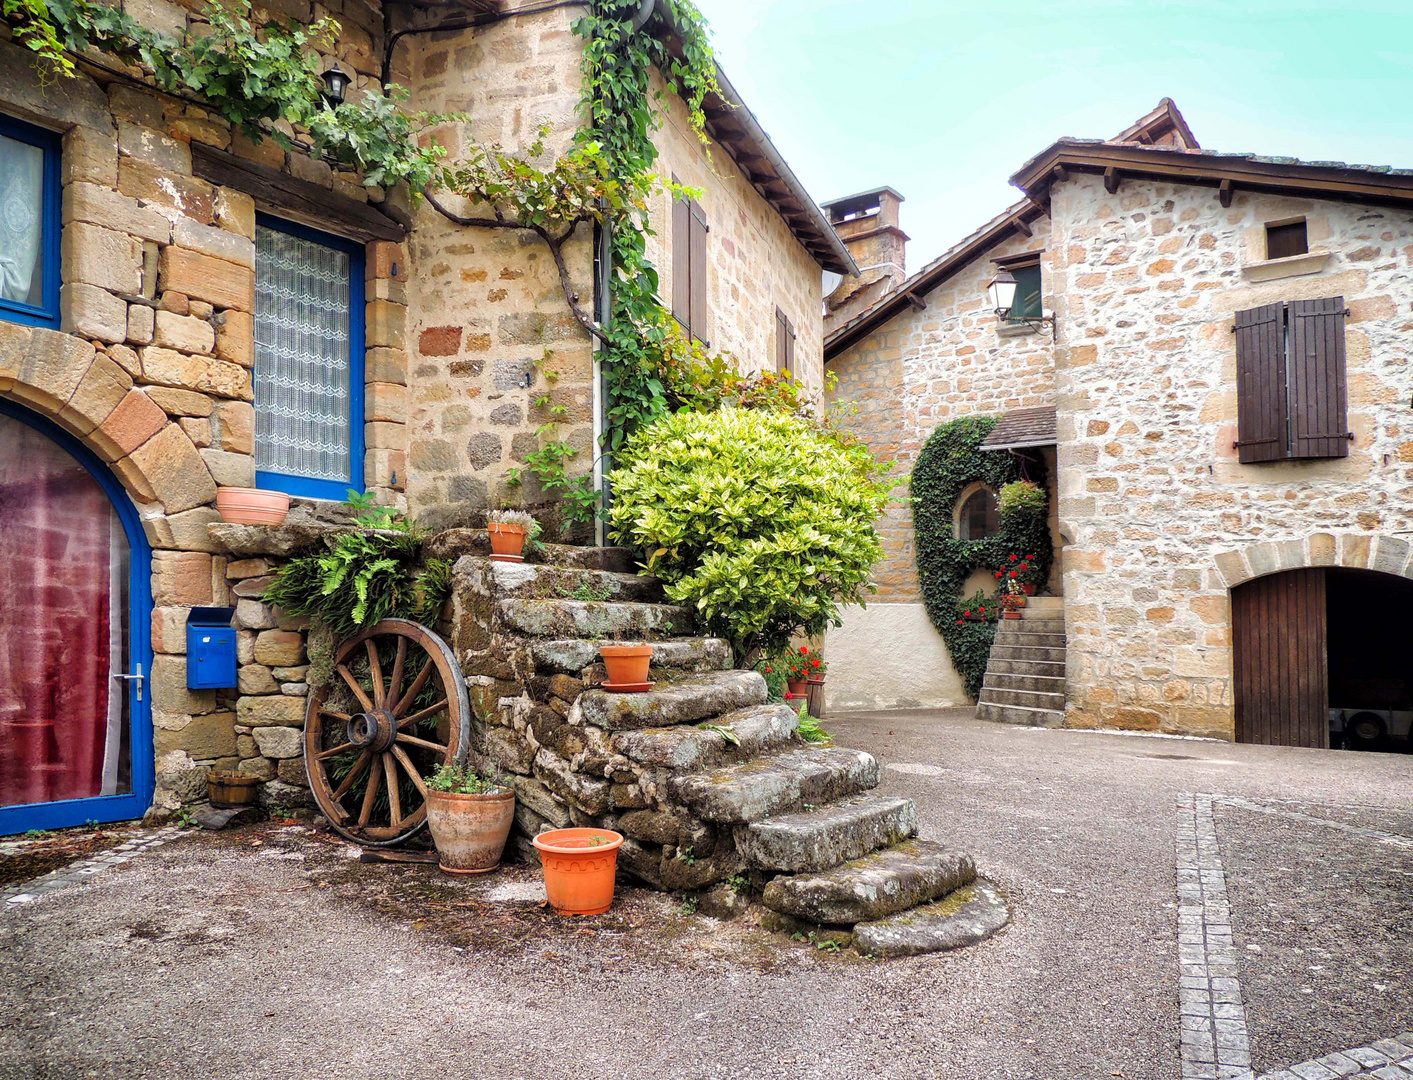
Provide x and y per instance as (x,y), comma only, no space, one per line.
(784,343)
(308,361)
(1285,240)
(980,516)
(29,224)
(1027,303)
(689,267)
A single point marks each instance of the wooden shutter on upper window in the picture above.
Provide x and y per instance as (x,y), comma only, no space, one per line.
(681,265)
(697,271)
(782,341)
(1318,398)
(1260,384)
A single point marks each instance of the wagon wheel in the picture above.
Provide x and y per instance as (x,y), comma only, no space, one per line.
(395,710)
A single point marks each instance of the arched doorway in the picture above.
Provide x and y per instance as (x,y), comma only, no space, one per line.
(1321,658)
(75,610)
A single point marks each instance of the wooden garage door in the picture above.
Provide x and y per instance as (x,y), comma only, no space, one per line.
(1282,676)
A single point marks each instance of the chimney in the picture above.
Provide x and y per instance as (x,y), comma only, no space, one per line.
(868,225)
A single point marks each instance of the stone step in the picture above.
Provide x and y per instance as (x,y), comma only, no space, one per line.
(1007,680)
(696,697)
(1035,639)
(1019,714)
(454,543)
(813,840)
(1029,699)
(592,619)
(540,581)
(741,794)
(1028,652)
(874,886)
(758,729)
(1047,605)
(570,656)
(1051,668)
(965,917)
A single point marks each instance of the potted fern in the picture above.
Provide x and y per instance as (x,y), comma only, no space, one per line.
(510,531)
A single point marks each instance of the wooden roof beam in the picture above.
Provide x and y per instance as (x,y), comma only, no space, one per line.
(1111,180)
(1224,193)
(1019,224)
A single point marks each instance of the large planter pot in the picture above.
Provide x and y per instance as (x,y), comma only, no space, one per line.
(627,664)
(470,830)
(229,790)
(816,695)
(251,506)
(579,866)
(507,542)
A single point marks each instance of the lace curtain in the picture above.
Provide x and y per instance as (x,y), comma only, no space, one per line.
(21,220)
(302,370)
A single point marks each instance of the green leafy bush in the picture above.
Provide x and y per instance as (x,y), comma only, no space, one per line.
(761,521)
(1022,497)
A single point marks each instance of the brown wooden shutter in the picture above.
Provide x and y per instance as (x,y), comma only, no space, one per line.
(782,341)
(697,272)
(1260,384)
(1318,397)
(790,347)
(681,264)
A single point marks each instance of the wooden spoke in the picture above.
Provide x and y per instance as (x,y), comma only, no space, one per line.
(368,796)
(375,672)
(353,774)
(411,769)
(395,680)
(342,717)
(418,717)
(394,797)
(353,685)
(413,690)
(412,740)
(324,755)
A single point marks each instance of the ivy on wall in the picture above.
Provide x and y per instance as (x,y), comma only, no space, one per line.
(949,462)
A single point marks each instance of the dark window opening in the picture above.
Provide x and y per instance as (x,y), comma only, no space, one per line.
(1027,303)
(1283,241)
(980,516)
(1369,642)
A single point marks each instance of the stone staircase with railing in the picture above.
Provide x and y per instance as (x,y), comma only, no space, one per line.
(1025,677)
(708,781)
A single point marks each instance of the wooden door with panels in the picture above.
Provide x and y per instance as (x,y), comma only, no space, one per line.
(1281,666)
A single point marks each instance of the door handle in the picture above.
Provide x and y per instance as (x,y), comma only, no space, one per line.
(138,677)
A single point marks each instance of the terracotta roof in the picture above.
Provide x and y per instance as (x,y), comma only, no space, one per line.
(1023,427)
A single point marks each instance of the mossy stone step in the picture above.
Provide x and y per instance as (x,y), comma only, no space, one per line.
(570,656)
(874,886)
(454,543)
(818,839)
(540,581)
(741,794)
(592,618)
(965,917)
(757,729)
(696,697)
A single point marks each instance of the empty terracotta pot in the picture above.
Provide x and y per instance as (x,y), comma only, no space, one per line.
(251,506)
(470,830)
(626,664)
(579,866)
(507,541)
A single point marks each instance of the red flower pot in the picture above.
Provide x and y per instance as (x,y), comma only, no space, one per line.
(798,687)
(1028,589)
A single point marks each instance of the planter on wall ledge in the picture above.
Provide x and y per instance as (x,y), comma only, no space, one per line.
(470,830)
(507,542)
(251,506)
(579,865)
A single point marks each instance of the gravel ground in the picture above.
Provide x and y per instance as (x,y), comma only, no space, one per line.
(222,957)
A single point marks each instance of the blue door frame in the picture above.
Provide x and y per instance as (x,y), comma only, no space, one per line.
(58,815)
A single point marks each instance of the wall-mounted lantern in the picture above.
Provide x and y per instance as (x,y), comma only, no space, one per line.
(336,82)
(1003,299)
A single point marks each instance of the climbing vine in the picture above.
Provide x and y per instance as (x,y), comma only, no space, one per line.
(950,461)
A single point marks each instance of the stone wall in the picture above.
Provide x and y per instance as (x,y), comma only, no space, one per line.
(1159,514)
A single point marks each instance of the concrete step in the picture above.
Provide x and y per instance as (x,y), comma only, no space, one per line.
(592,619)
(696,697)
(1036,639)
(1019,714)
(1050,606)
(1029,699)
(741,794)
(819,839)
(570,656)
(540,581)
(1028,652)
(758,729)
(1006,680)
(969,915)
(1051,668)
(874,886)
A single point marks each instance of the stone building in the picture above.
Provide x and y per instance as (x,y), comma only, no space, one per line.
(1224,404)
(182,309)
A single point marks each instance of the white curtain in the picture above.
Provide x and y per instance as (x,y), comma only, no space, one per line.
(302,369)
(21,220)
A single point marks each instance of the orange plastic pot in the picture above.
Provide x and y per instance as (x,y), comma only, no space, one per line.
(579,866)
(507,541)
(626,664)
(251,506)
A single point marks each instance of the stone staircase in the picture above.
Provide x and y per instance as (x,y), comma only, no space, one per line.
(1025,676)
(708,780)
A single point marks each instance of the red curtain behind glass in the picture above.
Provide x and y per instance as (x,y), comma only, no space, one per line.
(55,543)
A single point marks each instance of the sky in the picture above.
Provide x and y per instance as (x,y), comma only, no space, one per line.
(944,100)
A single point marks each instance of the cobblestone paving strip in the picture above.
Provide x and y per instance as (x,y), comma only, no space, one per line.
(1353,830)
(1387,1059)
(1214,1041)
(28,891)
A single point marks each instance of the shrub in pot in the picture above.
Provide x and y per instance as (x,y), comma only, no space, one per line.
(469,817)
(511,531)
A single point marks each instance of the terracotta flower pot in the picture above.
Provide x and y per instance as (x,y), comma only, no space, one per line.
(626,664)
(1028,589)
(1010,614)
(228,790)
(579,866)
(251,506)
(797,687)
(507,541)
(470,830)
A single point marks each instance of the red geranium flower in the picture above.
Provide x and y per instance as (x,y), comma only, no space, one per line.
(966,613)
(814,663)
(767,671)
(959,622)
(983,611)
(1013,558)
(804,650)
(998,573)
(1013,573)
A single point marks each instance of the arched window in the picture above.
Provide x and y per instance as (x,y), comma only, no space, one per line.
(980,517)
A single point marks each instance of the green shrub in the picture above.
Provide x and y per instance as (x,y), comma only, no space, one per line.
(1022,497)
(761,521)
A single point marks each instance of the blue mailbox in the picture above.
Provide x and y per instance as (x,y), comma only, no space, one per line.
(210,648)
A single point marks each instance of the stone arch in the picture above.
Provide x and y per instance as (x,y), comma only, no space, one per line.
(1355,551)
(94,398)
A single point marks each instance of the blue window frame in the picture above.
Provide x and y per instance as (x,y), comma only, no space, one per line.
(308,360)
(125,807)
(29,224)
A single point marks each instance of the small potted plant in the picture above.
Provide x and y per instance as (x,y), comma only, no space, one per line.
(470,818)
(579,867)
(251,506)
(1012,600)
(511,531)
(627,667)
(799,666)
